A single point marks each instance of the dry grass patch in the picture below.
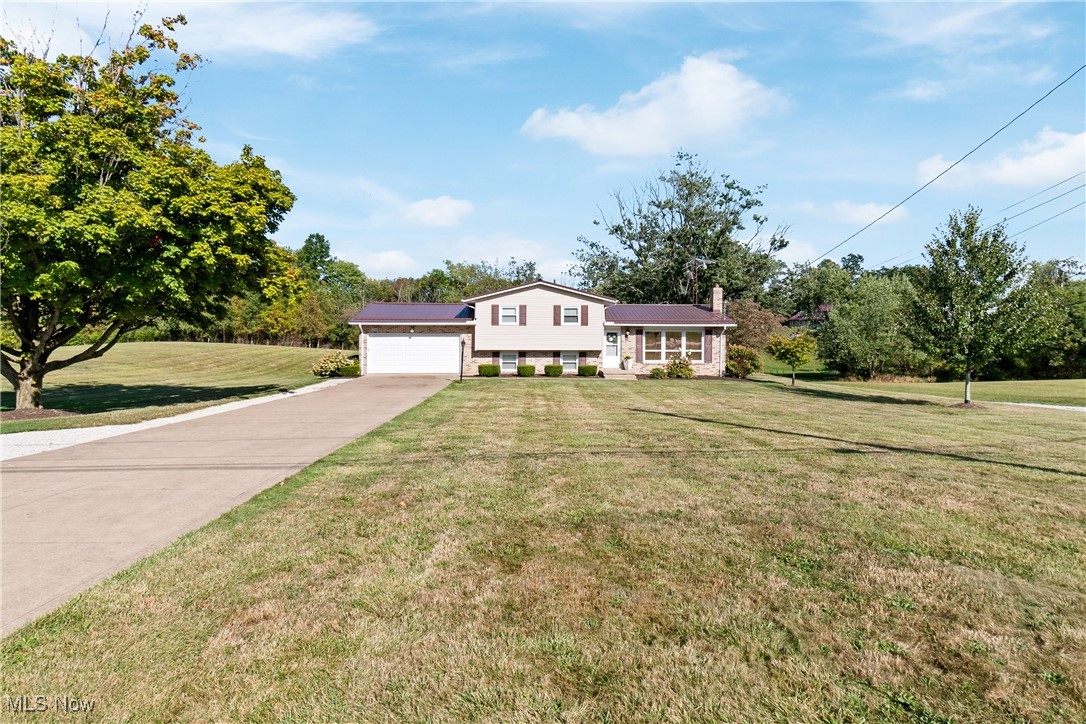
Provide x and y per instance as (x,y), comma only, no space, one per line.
(584,550)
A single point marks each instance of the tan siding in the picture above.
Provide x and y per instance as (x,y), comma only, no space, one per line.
(539,332)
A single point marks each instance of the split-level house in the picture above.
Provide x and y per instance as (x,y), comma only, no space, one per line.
(540,323)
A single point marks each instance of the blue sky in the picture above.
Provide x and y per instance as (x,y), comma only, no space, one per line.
(413,133)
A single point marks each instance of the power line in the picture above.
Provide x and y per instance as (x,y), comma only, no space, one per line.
(948,168)
(1050,218)
(1061,183)
(1043,203)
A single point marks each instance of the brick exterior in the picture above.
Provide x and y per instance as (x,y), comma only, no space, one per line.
(628,344)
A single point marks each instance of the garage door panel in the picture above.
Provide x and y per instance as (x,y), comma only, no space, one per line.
(413,353)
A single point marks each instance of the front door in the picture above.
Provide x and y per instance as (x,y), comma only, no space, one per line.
(611,359)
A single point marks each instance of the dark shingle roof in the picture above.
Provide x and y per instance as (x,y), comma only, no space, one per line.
(665,314)
(414,313)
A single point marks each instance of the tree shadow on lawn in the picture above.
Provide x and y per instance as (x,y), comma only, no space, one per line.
(103,397)
(809,375)
(854,443)
(845,396)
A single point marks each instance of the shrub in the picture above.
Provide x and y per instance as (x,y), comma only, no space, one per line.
(587,370)
(658,373)
(490,370)
(329,364)
(681,368)
(525,370)
(351,370)
(552,370)
(743,361)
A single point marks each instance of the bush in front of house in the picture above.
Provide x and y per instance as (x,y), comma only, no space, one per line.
(743,361)
(351,370)
(329,364)
(587,370)
(490,370)
(552,370)
(658,373)
(680,368)
(525,370)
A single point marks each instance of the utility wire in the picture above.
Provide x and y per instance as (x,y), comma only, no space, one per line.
(1020,213)
(1050,218)
(1061,183)
(948,168)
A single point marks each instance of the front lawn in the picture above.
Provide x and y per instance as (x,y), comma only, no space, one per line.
(605,550)
(139,381)
(1049,392)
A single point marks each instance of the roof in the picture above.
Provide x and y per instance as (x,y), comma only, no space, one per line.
(540,282)
(820,313)
(692,314)
(413,313)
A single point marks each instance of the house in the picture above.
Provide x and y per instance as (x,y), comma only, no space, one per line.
(814,320)
(540,323)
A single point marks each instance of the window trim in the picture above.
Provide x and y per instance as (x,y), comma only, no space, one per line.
(501,315)
(576,360)
(501,361)
(576,310)
(664,335)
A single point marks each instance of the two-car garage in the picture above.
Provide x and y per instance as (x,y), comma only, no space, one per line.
(398,353)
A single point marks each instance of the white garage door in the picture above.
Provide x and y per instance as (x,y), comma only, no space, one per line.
(413,353)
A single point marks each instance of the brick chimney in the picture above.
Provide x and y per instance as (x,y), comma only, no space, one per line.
(718,300)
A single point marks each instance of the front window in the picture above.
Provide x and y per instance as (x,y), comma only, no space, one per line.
(569,361)
(654,346)
(571,315)
(509,361)
(509,315)
(666,345)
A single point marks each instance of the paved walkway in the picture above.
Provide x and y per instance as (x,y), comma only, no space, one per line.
(73,517)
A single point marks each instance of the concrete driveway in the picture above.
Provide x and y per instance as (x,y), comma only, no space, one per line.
(73,517)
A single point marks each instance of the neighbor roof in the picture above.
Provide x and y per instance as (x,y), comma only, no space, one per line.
(541,283)
(650,314)
(820,313)
(413,313)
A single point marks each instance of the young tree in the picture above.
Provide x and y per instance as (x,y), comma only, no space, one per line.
(111,216)
(680,235)
(972,304)
(794,351)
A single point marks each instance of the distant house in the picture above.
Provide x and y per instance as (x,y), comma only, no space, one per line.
(812,321)
(540,323)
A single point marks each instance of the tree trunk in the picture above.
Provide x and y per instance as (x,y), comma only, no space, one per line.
(968,381)
(28,391)
(793,377)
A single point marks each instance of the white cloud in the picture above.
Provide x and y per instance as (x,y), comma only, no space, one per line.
(924,90)
(392,263)
(850,212)
(499,247)
(707,99)
(953,28)
(1049,157)
(442,211)
(215,30)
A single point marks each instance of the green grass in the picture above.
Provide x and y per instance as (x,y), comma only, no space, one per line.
(144,380)
(586,550)
(1050,392)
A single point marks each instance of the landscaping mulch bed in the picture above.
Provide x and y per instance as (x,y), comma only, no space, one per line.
(36,414)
